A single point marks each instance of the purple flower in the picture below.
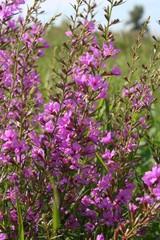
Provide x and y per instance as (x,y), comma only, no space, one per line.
(28,172)
(151,177)
(12,24)
(31,215)
(97,53)
(146,199)
(49,127)
(90,25)
(86,201)
(142,120)
(13,214)
(88,59)
(100,237)
(9,135)
(13,177)
(37,152)
(90,227)
(108,154)
(107,139)
(156,191)
(40,52)
(68,33)
(72,222)
(116,71)
(76,146)
(90,213)
(110,51)
(95,82)
(132,207)
(46,44)
(124,196)
(52,107)
(3,236)
(103,94)
(104,183)
(125,92)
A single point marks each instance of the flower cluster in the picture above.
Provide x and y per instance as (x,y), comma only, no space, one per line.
(64,171)
(142,96)
(152,180)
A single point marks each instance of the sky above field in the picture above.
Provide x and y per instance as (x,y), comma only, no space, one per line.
(151,7)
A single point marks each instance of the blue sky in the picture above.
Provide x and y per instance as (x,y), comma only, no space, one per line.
(151,7)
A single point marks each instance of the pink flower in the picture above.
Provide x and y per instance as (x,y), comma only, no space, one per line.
(3,236)
(116,71)
(68,33)
(52,107)
(132,207)
(156,191)
(76,146)
(95,82)
(88,59)
(124,196)
(108,154)
(49,127)
(107,139)
(151,177)
(100,237)
(110,51)
(90,26)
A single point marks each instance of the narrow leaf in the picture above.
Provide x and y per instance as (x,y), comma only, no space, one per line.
(20,220)
(102,162)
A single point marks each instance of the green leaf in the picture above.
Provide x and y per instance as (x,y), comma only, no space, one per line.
(102,162)
(20,220)
(55,208)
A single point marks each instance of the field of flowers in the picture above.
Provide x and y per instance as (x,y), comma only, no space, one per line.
(79,128)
